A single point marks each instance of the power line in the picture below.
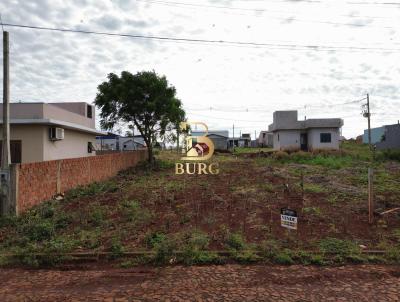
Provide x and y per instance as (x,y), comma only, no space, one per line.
(256,10)
(216,42)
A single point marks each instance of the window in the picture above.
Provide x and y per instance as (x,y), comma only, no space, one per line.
(89,112)
(325,138)
(90,147)
(263,135)
(278,137)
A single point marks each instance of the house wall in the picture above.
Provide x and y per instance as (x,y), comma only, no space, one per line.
(392,138)
(31,141)
(50,111)
(314,139)
(74,144)
(40,181)
(376,135)
(288,140)
(220,143)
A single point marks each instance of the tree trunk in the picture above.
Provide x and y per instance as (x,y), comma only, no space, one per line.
(150,154)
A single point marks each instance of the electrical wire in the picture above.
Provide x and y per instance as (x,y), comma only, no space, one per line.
(226,42)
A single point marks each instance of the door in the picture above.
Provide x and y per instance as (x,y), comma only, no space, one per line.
(303,142)
(15,151)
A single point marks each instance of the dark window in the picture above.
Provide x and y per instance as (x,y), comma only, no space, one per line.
(325,137)
(278,137)
(15,151)
(89,113)
(263,135)
(90,147)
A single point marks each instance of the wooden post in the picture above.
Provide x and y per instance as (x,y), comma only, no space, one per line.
(372,149)
(370,195)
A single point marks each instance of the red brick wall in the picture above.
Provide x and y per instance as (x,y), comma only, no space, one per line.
(37,182)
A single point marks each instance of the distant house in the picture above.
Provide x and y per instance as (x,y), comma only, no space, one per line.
(385,137)
(376,135)
(265,139)
(115,142)
(291,134)
(243,141)
(390,138)
(51,131)
(218,137)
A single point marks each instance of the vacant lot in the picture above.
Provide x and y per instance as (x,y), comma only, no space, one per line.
(233,216)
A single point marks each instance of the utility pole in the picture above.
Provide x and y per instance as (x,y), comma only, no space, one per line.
(367,114)
(5,155)
(369,123)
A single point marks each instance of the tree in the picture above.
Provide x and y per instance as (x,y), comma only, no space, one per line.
(144,100)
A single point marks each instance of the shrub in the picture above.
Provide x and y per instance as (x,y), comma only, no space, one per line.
(134,212)
(280,155)
(235,241)
(38,230)
(116,249)
(269,248)
(164,251)
(300,155)
(389,154)
(284,257)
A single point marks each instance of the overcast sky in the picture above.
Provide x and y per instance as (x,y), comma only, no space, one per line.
(218,84)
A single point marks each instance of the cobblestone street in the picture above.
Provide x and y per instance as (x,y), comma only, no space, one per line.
(207,283)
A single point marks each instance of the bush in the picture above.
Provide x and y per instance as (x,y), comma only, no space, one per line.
(269,248)
(235,241)
(284,257)
(38,230)
(134,212)
(117,249)
(280,155)
(247,256)
(389,154)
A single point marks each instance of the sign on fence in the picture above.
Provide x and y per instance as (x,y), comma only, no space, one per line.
(289,218)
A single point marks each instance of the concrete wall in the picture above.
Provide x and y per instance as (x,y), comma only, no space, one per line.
(285,120)
(55,112)
(220,143)
(376,135)
(314,138)
(74,144)
(392,138)
(50,111)
(286,140)
(36,146)
(31,137)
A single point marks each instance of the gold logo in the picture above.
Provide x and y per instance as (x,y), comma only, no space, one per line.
(198,147)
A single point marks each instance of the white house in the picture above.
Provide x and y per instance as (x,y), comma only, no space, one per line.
(291,134)
(116,142)
(51,131)
(218,137)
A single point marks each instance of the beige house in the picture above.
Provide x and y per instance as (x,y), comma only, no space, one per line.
(291,134)
(50,131)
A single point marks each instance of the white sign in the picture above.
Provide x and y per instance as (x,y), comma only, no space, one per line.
(289,219)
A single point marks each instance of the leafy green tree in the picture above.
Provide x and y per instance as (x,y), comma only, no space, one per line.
(145,100)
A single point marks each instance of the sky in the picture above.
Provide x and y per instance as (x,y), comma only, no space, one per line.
(318,57)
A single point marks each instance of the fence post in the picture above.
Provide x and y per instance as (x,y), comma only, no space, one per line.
(370,195)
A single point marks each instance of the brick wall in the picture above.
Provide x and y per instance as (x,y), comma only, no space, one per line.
(40,181)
